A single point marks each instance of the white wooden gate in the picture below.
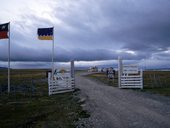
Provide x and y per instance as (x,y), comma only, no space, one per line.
(61,82)
(129,76)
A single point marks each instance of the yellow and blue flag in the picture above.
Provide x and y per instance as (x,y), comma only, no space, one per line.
(45,33)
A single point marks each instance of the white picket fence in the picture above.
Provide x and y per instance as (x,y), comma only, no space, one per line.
(129,76)
(61,82)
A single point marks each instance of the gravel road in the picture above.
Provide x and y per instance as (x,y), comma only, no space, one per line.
(111,107)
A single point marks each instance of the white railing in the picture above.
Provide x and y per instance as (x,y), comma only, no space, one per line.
(61,82)
(60,85)
(129,76)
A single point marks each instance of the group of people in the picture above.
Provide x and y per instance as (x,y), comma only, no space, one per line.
(110,72)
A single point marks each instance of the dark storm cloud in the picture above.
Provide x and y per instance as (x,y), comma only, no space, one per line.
(139,23)
(140,26)
(96,30)
(35,54)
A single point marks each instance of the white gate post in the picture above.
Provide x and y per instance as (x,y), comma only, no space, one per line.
(73,72)
(119,70)
(141,73)
(49,83)
(72,69)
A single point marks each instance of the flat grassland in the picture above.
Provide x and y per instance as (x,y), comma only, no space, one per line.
(154,81)
(28,104)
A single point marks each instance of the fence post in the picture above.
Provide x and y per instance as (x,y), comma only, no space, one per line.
(73,72)
(119,70)
(141,71)
(49,83)
(72,69)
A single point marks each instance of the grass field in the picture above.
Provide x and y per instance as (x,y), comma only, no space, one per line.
(28,104)
(154,81)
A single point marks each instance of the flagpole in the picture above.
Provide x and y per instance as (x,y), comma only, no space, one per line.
(53,55)
(9,61)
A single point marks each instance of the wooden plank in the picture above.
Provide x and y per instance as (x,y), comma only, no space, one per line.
(132,87)
(132,76)
(126,84)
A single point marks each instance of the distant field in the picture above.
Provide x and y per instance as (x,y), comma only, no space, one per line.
(29,105)
(22,78)
(154,81)
(103,78)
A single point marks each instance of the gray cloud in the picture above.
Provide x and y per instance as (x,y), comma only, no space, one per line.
(91,30)
(129,24)
(62,55)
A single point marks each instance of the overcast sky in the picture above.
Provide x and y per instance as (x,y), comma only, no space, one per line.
(88,30)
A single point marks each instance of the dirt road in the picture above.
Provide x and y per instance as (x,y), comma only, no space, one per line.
(111,107)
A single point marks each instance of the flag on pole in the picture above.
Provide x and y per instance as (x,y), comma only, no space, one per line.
(4,31)
(45,33)
(5,34)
